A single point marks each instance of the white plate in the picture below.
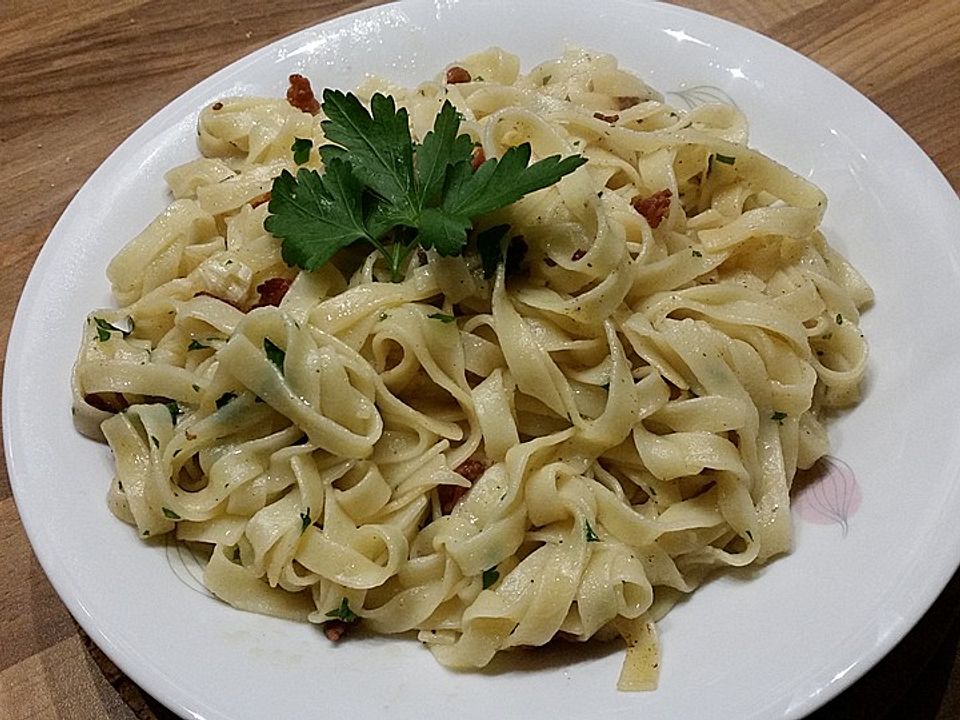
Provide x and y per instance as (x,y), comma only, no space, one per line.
(777,646)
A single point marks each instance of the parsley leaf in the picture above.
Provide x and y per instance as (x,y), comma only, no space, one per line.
(725,159)
(105,329)
(316,215)
(167,512)
(590,534)
(173,407)
(274,354)
(490,247)
(301,150)
(442,317)
(490,577)
(196,345)
(305,521)
(377,143)
(779,417)
(343,612)
(382,188)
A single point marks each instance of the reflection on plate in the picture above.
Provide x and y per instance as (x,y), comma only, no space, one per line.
(775,647)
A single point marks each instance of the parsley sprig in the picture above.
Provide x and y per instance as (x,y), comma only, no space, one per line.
(381,188)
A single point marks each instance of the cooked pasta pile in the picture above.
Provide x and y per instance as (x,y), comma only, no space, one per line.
(625,402)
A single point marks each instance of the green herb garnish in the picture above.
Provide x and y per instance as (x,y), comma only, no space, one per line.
(104,329)
(725,159)
(591,535)
(343,612)
(442,317)
(170,514)
(274,354)
(839,319)
(305,522)
(380,188)
(196,345)
(174,409)
(301,150)
(490,577)
(697,253)
(779,417)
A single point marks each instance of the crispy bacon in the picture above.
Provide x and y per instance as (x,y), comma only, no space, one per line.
(472,469)
(272,291)
(335,629)
(627,101)
(606,118)
(301,96)
(457,74)
(655,207)
(478,159)
(260,199)
(217,106)
(450,495)
(111,402)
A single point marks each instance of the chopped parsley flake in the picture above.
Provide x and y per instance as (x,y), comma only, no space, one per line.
(196,345)
(305,521)
(301,150)
(590,534)
(490,577)
(274,354)
(343,612)
(442,317)
(167,512)
(839,319)
(779,417)
(697,253)
(725,159)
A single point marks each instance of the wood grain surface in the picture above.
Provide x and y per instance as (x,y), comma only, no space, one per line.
(77,77)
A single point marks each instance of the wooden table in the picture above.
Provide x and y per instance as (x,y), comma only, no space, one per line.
(77,77)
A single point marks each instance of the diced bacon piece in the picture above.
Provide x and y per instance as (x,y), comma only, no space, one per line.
(272,291)
(606,118)
(301,96)
(260,199)
(450,495)
(478,158)
(457,75)
(627,101)
(654,208)
(335,629)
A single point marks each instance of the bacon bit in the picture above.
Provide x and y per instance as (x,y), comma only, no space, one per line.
(655,207)
(111,402)
(450,495)
(577,254)
(478,159)
(627,101)
(457,75)
(472,469)
(301,96)
(272,291)
(260,199)
(606,118)
(217,106)
(335,629)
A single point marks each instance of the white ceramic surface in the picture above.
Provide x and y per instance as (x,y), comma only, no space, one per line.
(775,647)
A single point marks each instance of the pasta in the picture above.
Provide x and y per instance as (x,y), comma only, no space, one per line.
(561,450)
